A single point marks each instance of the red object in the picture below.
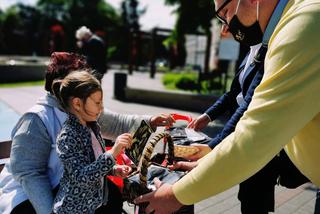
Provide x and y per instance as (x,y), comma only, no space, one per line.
(182,117)
(122,159)
(176,116)
(58,29)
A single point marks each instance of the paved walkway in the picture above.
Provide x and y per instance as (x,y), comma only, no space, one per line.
(298,201)
(8,118)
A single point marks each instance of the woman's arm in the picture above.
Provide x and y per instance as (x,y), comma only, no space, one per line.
(113,124)
(29,157)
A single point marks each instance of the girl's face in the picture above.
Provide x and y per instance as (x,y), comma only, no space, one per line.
(90,109)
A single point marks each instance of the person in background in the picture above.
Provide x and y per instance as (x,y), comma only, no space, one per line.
(81,149)
(95,50)
(29,182)
(283,112)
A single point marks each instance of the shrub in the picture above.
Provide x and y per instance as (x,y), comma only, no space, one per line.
(188,81)
(183,80)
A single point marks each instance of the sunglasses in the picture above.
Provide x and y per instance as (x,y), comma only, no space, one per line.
(222,19)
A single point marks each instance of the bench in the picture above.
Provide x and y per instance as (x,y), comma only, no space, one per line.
(5,147)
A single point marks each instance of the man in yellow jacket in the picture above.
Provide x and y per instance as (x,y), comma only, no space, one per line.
(284,111)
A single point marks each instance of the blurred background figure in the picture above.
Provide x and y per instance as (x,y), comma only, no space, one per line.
(94,48)
(57,39)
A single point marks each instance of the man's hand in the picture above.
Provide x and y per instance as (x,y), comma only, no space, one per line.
(158,198)
(199,123)
(183,165)
(161,120)
(203,150)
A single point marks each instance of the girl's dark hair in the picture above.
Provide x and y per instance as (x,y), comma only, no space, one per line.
(79,84)
(61,64)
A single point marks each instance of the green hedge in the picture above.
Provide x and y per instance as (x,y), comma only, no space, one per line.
(184,81)
(188,81)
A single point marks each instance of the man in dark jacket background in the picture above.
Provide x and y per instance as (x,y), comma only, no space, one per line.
(94,48)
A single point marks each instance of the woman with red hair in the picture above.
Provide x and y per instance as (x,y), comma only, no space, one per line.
(29,182)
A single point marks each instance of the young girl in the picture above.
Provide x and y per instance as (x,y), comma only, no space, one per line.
(83,187)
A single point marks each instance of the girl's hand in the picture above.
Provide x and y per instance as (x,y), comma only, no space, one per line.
(123,141)
(122,170)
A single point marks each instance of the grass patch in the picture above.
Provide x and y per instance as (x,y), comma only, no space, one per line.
(21,84)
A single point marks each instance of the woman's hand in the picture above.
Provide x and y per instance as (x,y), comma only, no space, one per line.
(122,170)
(161,120)
(123,141)
(199,123)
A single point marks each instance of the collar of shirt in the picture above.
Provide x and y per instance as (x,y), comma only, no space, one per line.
(253,51)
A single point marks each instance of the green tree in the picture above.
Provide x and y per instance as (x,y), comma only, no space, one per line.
(193,16)
(2,45)
(95,14)
(131,13)
(19,29)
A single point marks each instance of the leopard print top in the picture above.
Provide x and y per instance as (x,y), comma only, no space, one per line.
(81,187)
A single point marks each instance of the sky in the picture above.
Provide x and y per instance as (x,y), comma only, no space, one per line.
(157,14)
